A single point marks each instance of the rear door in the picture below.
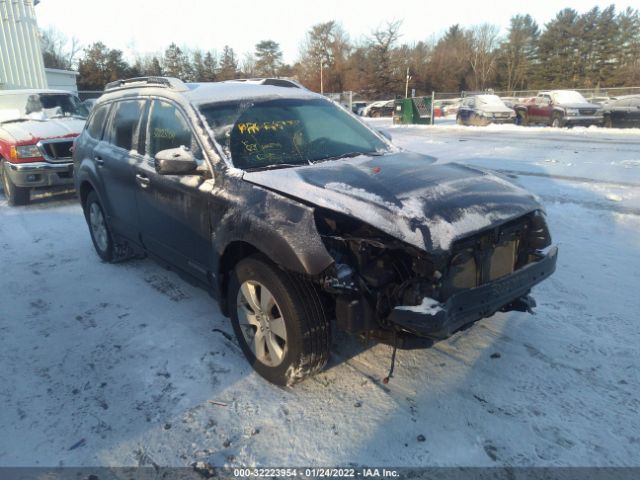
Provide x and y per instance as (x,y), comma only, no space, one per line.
(173,209)
(542,109)
(115,157)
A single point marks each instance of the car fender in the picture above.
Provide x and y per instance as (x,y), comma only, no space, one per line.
(281,228)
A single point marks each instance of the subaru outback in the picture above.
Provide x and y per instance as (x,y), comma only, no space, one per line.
(297,217)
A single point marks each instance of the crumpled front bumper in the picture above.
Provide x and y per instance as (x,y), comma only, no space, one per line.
(473,304)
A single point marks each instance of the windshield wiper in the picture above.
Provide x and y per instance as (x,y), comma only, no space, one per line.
(347,155)
(275,166)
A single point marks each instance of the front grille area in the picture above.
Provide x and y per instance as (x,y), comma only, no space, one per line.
(589,111)
(489,256)
(59,151)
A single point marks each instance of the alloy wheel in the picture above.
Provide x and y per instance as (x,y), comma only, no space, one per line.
(262,323)
(98,227)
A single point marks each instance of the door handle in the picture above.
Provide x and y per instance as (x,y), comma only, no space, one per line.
(99,160)
(142,180)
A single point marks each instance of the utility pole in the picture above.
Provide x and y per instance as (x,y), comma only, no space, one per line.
(406,86)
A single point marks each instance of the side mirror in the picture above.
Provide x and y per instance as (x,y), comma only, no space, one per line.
(175,161)
(385,134)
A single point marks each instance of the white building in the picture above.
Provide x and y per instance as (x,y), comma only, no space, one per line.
(21,64)
(62,79)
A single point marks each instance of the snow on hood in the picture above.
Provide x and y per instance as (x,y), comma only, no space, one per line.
(405,195)
(496,109)
(33,130)
(585,105)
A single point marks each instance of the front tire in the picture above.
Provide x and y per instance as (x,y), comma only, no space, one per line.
(279,321)
(557,121)
(98,227)
(15,195)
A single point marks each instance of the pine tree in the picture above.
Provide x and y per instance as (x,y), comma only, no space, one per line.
(558,49)
(228,64)
(210,64)
(268,58)
(519,52)
(176,63)
(99,66)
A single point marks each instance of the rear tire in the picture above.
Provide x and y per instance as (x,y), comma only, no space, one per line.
(98,227)
(15,195)
(279,321)
(607,122)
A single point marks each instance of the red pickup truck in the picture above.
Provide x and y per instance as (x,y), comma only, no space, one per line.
(558,108)
(37,129)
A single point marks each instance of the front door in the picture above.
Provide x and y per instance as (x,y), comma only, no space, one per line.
(173,209)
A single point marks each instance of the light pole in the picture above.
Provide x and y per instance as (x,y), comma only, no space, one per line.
(321,79)
(406,85)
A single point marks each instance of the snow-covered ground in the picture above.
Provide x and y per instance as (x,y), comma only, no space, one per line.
(118,364)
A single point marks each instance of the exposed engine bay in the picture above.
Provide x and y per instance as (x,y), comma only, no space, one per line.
(375,273)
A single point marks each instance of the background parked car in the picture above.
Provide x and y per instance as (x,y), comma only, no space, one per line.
(357,107)
(559,108)
(37,128)
(483,110)
(383,108)
(623,112)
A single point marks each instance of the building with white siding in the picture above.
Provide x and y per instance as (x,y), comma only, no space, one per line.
(21,64)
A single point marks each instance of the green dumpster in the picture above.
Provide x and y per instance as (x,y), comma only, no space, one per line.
(412,111)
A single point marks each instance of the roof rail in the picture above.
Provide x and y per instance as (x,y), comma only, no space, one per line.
(169,82)
(275,82)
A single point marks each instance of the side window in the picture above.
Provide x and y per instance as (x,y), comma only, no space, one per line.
(123,131)
(168,128)
(96,123)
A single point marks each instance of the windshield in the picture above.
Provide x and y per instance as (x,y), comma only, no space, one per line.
(568,97)
(40,106)
(491,100)
(287,132)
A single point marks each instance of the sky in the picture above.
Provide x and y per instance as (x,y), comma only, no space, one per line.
(138,27)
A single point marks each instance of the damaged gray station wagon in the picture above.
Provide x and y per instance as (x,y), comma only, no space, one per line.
(298,216)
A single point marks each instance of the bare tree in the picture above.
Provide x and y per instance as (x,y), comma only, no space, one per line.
(324,53)
(58,50)
(482,55)
(382,44)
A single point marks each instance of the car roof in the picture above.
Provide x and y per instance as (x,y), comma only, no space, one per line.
(32,91)
(208,92)
(201,93)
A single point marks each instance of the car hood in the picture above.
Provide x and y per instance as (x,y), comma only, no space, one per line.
(497,109)
(30,131)
(405,195)
(580,105)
